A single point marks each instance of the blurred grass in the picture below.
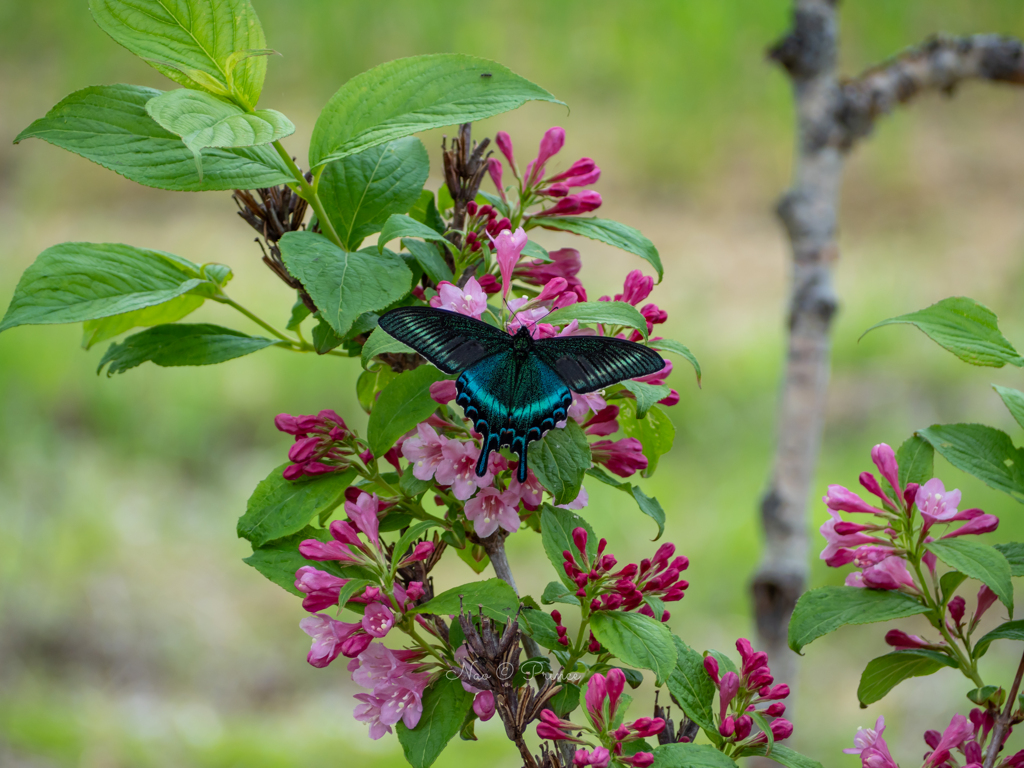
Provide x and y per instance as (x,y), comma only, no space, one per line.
(130,632)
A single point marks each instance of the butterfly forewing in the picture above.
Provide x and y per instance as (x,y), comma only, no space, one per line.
(451,341)
(589,363)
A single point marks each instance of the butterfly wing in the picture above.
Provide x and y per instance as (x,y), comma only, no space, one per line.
(451,341)
(589,363)
(511,401)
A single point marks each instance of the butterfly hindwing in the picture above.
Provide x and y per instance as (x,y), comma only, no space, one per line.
(512,401)
(590,363)
(451,341)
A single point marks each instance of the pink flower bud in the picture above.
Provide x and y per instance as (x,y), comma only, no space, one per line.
(483,705)
(579,538)
(781,729)
(421,551)
(554,287)
(986,597)
(744,723)
(727,691)
(711,667)
(443,392)
(885,460)
(957,606)
(639,760)
(727,727)
(494,169)
(504,143)
(303,449)
(899,639)
(287,423)
(776,709)
(615,682)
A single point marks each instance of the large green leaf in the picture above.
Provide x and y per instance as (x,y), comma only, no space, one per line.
(826,609)
(278,560)
(691,687)
(406,96)
(979,561)
(1010,630)
(361,191)
(73,282)
(1013,551)
(646,395)
(402,404)
(213,45)
(637,640)
(181,344)
(445,704)
(430,259)
(101,329)
(916,459)
(886,672)
(606,312)
(279,507)
(380,343)
(109,125)
(607,231)
(964,327)
(400,225)
(344,285)
(690,756)
(541,627)
(1013,399)
(656,432)
(497,599)
(556,592)
(985,452)
(556,527)
(560,459)
(203,120)
(670,345)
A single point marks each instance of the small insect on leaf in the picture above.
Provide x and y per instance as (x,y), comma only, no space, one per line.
(486,74)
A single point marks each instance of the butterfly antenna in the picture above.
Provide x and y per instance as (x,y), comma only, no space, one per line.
(515,314)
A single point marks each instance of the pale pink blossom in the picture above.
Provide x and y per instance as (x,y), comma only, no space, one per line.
(322,589)
(869,744)
(378,620)
(885,460)
(529,493)
(397,688)
(935,503)
(363,512)
(508,246)
(833,553)
(583,404)
(956,733)
(328,638)
(471,300)
(621,457)
(425,451)
(458,469)
(844,500)
(598,758)
(890,573)
(581,500)
(530,317)
(483,705)
(491,508)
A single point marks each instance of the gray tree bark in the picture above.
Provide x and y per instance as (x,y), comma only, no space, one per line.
(832,116)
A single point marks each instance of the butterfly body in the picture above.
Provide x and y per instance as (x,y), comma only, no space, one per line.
(514,388)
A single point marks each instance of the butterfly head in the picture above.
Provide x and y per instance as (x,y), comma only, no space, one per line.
(522,342)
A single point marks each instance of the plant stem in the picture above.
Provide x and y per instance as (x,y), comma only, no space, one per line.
(494,545)
(224,299)
(1003,720)
(307,193)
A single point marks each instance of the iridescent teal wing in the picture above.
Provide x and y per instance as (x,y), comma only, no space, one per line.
(512,403)
(589,363)
(451,341)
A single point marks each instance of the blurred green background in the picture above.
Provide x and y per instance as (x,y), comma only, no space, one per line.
(131,634)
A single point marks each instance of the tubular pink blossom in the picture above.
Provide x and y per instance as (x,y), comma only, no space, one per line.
(565,262)
(727,692)
(363,512)
(842,499)
(424,451)
(597,694)
(603,423)
(885,460)
(509,245)
(711,667)
(572,205)
(615,682)
(899,639)
(872,485)
(470,301)
(638,759)
(583,404)
(837,542)
(957,607)
(979,525)
(504,142)
(491,508)
(959,729)
(443,392)
(458,469)
(494,169)
(327,635)
(636,288)
(582,168)
(621,457)
(321,588)
(986,598)
(550,145)
(598,758)
(555,286)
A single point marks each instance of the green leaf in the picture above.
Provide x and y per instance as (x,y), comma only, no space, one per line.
(646,395)
(371,383)
(405,542)
(324,337)
(299,313)
(541,627)
(556,527)
(607,231)
(637,640)
(555,592)
(826,609)
(411,485)
(690,686)
(352,586)
(560,459)
(361,191)
(607,312)
(1010,630)
(344,285)
(985,452)
(430,260)
(690,756)
(1014,553)
(109,125)
(783,756)
(181,344)
(669,345)
(979,561)
(445,704)
(949,582)
(916,458)
(656,432)
(379,343)
(965,328)
(725,664)
(400,225)
(886,672)
(279,507)
(202,121)
(280,559)
(73,282)
(406,96)
(495,596)
(101,329)
(402,404)
(762,723)
(1013,399)
(203,44)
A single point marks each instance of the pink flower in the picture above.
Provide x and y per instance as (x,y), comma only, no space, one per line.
(727,691)
(504,142)
(900,639)
(604,422)
(986,598)
(328,636)
(529,493)
(958,731)
(622,457)
(550,145)
(583,404)
(935,504)
(596,696)
(483,705)
(345,538)
(638,759)
(889,573)
(844,500)
(443,392)
(869,744)
(885,460)
(980,524)
(425,451)
(553,289)
(571,205)
(378,620)
(458,469)
(363,512)
(565,263)
(491,508)
(471,300)
(580,502)
(321,588)
(509,245)
(530,317)
(495,171)
(636,288)
(397,688)
(598,758)
(836,554)
(552,727)
(582,173)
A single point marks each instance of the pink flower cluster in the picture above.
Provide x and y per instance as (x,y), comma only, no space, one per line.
(322,443)
(880,549)
(483,220)
(602,702)
(396,688)
(740,694)
(635,289)
(582,173)
(625,589)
